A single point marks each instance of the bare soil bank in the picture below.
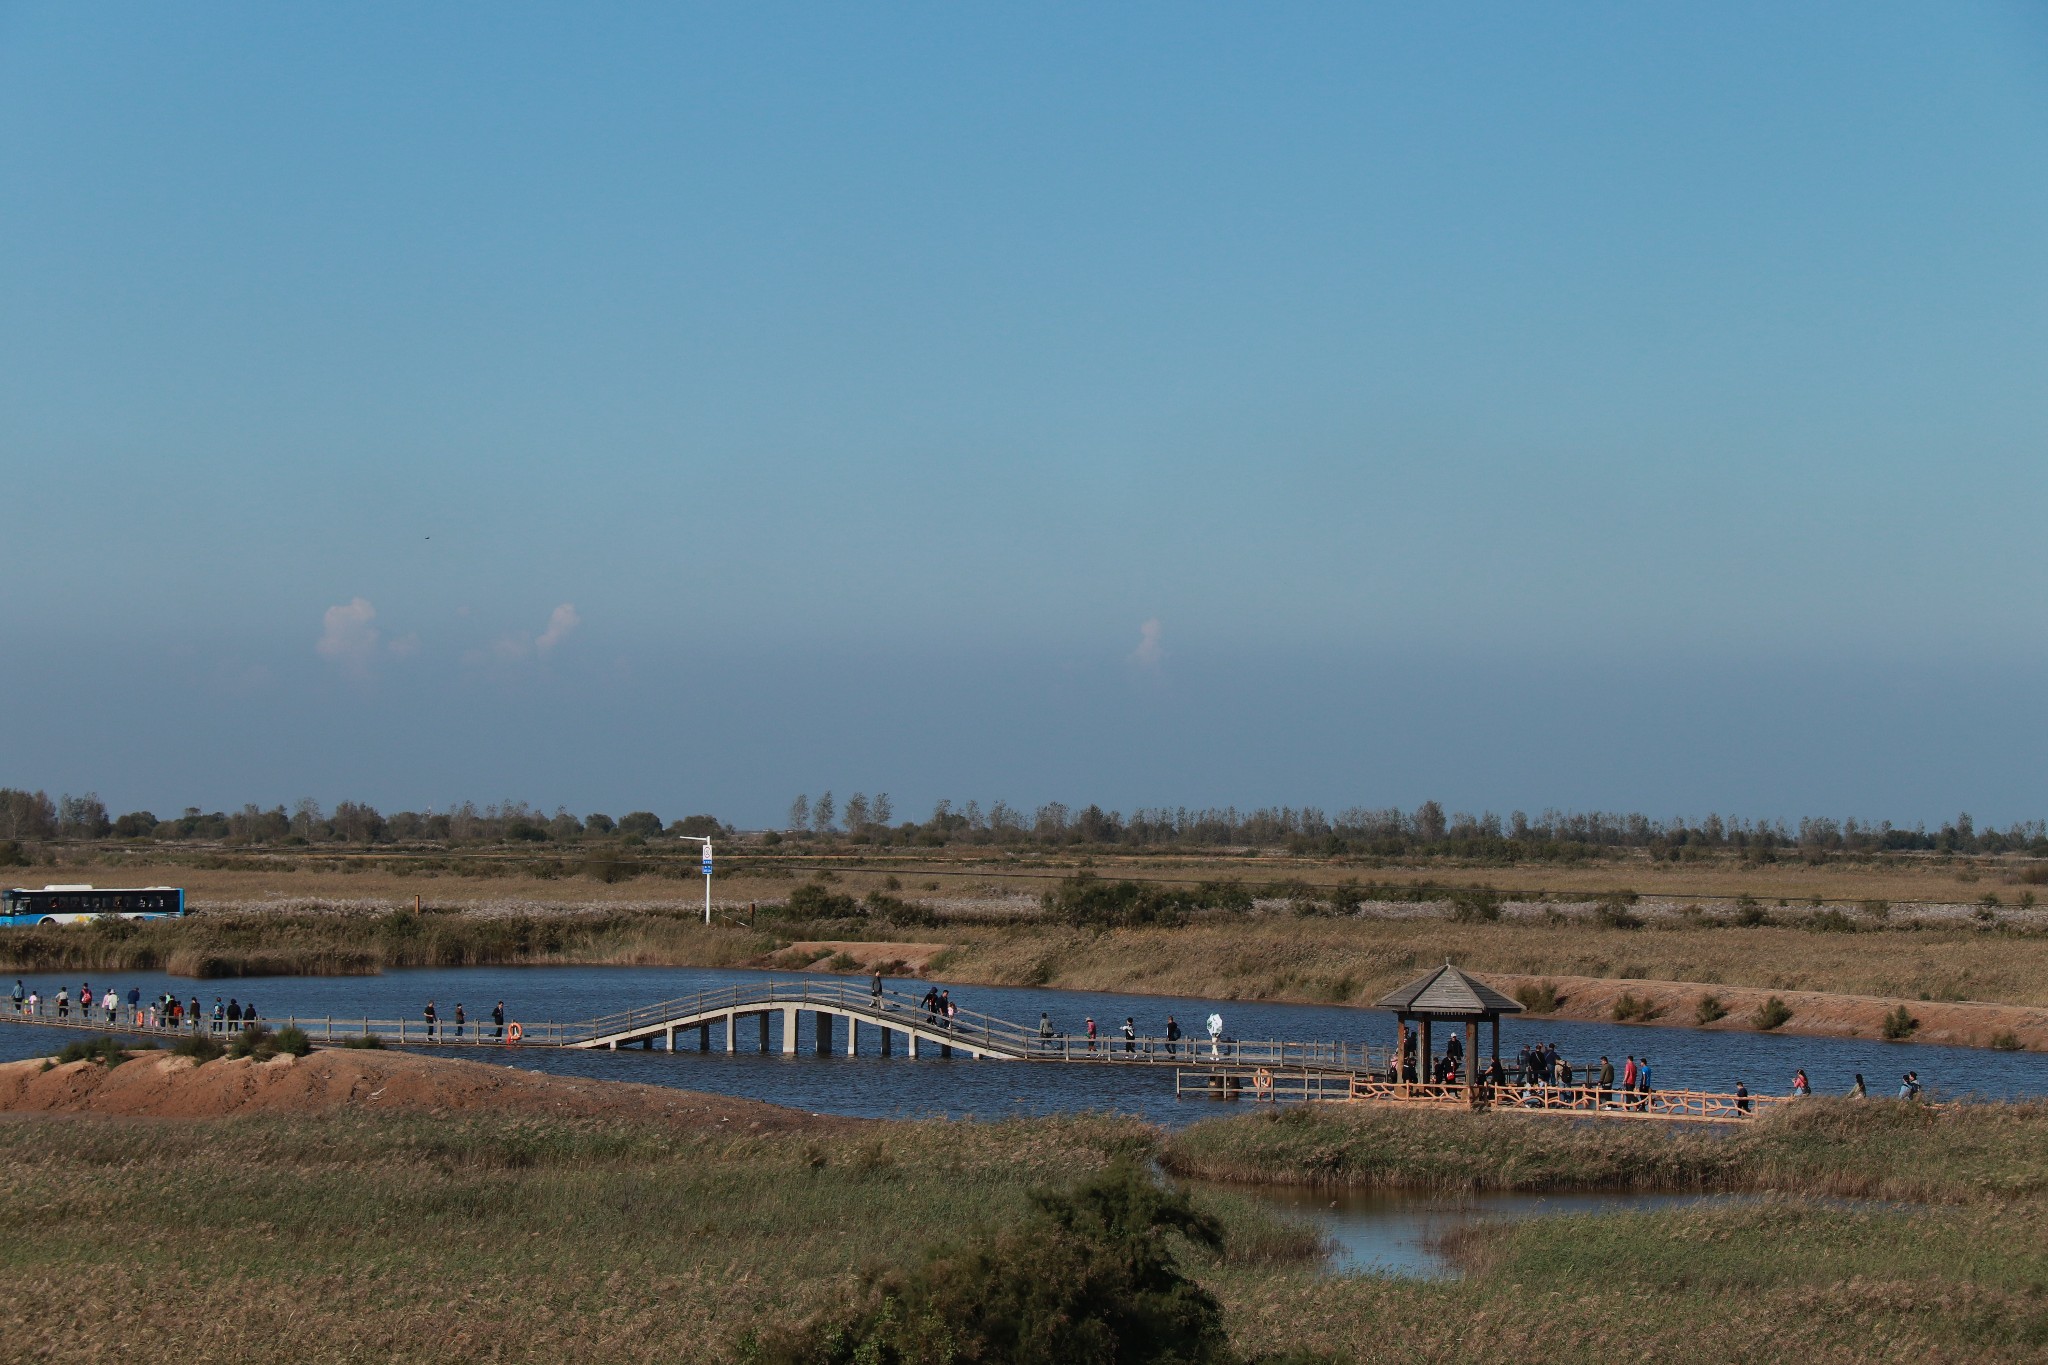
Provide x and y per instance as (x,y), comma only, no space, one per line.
(330,1081)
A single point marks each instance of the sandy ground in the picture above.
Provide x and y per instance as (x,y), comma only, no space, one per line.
(1813,1012)
(328,1081)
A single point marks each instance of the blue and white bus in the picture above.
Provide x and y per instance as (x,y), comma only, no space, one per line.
(78,904)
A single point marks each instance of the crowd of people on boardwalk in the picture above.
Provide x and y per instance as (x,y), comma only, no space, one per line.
(1541,1078)
(111,1008)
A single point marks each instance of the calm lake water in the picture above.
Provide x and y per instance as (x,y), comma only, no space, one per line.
(888,1087)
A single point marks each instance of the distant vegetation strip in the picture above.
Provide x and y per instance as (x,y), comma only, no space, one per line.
(30,818)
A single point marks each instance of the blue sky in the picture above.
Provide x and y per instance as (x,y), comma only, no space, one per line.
(686,407)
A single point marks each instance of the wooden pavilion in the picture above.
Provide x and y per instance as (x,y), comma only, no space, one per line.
(1450,996)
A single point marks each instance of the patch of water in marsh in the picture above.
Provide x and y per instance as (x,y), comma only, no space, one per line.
(1400,1233)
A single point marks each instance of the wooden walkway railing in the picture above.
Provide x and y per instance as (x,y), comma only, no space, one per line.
(1281,1086)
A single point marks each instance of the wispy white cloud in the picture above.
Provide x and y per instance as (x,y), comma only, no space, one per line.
(347,636)
(1149,651)
(561,621)
(404,646)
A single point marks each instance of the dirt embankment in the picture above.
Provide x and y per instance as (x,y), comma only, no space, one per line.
(328,1081)
(1962,1024)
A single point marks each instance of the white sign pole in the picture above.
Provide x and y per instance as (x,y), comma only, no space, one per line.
(707,883)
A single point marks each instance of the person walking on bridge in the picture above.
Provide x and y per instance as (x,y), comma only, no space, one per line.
(20,995)
(931,1005)
(1044,1031)
(460,1020)
(1606,1082)
(498,1020)
(431,1016)
(947,1009)
(1130,1034)
(1172,1036)
(1091,1033)
(63,1003)
(875,990)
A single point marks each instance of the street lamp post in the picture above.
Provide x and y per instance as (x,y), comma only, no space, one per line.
(707,873)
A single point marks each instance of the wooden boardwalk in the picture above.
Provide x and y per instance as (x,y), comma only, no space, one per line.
(768,1018)
(772,1013)
(1574,1101)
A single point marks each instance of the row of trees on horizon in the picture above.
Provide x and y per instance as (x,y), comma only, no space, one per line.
(1427,830)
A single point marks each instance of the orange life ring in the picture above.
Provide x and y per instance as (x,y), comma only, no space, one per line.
(514,1033)
(1262,1081)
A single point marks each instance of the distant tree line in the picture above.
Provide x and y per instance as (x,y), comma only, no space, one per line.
(1427,830)
(1387,832)
(32,816)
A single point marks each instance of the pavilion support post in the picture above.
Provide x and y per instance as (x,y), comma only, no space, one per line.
(1426,1054)
(1471,1060)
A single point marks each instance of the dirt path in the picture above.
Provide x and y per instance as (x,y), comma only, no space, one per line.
(1675,1003)
(157,1085)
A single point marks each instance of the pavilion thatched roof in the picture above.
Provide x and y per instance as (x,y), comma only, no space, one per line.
(1448,992)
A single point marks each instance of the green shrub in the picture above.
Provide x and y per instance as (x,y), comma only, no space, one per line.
(293,1039)
(813,901)
(368,1042)
(1089,1278)
(253,1041)
(1771,1014)
(200,1047)
(1709,1009)
(1628,1006)
(1086,901)
(1613,912)
(1899,1025)
(102,1049)
(1538,997)
(2007,1041)
(1749,913)
(1476,907)
(894,909)
(1879,910)
(1831,921)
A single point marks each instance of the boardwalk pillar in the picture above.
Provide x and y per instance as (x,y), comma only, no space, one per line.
(910,1043)
(823,1023)
(671,1037)
(788,1030)
(763,1017)
(852,1036)
(703,1037)
(732,1026)
(888,1039)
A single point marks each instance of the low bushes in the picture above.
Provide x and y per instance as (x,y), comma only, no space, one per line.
(1899,1025)
(103,1050)
(1538,997)
(201,1048)
(1709,1009)
(1771,1014)
(1086,1277)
